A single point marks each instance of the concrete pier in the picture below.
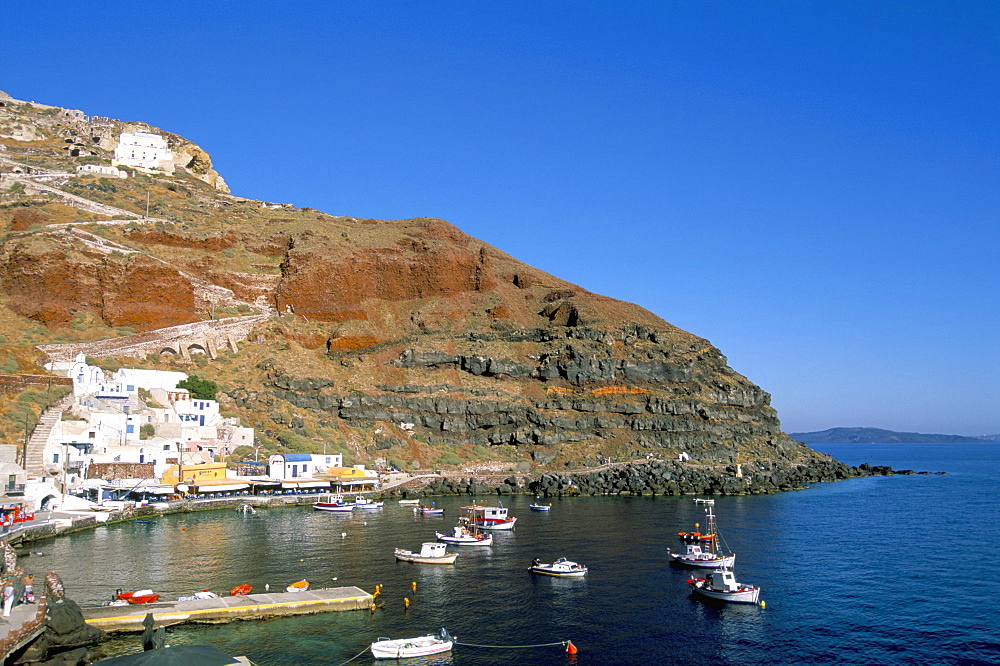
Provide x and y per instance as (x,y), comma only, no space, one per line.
(228,609)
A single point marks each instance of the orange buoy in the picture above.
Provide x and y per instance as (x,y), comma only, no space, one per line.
(413,586)
(570,648)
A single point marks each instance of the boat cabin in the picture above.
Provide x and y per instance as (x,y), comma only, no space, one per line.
(486,514)
(433,549)
(723,579)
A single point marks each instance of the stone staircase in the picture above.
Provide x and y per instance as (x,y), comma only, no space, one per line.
(34,465)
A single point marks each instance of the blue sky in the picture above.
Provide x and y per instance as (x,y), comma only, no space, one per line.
(812,186)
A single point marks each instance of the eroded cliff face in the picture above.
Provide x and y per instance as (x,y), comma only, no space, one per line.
(395,336)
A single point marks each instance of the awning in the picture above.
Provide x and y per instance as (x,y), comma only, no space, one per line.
(220,487)
(154,490)
(305,484)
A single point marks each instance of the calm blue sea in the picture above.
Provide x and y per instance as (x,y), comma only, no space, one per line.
(896,570)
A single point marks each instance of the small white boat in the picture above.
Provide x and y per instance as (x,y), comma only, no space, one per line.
(404,648)
(431,552)
(425,510)
(204,594)
(697,556)
(463,536)
(246,508)
(540,507)
(409,502)
(489,517)
(362,502)
(333,503)
(721,584)
(561,567)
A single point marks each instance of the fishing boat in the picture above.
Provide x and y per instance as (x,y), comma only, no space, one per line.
(404,648)
(334,503)
(240,590)
(431,552)
(362,502)
(409,502)
(431,510)
(708,557)
(137,597)
(298,586)
(721,585)
(561,567)
(540,507)
(465,535)
(490,517)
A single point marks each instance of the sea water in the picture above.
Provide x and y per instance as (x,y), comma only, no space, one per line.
(885,570)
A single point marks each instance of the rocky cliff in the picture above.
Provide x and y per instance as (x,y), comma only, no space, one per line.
(400,342)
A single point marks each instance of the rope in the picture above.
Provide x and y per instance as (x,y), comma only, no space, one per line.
(512,646)
(354,657)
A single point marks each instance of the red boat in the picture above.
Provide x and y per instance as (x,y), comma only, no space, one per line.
(240,590)
(138,597)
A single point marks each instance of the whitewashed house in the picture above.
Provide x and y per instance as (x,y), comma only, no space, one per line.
(144,150)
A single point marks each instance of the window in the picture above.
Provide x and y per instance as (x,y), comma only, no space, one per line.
(130,428)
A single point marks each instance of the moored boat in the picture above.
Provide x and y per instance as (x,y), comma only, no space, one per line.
(240,590)
(409,502)
(334,503)
(362,502)
(710,556)
(721,585)
(405,648)
(431,552)
(298,586)
(490,517)
(138,597)
(561,567)
(464,536)
(540,507)
(204,594)
(431,510)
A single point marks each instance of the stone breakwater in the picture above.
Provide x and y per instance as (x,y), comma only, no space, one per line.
(656,477)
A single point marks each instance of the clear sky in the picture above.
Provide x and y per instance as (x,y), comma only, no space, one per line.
(812,186)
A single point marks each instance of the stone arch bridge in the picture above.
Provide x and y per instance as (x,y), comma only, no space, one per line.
(203,337)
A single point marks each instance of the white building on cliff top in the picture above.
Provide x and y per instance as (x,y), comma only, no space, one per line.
(144,150)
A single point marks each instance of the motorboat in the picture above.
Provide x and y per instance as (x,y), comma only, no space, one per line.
(405,648)
(561,567)
(431,552)
(489,517)
(362,502)
(240,590)
(246,508)
(298,586)
(334,503)
(721,585)
(461,535)
(137,597)
(409,502)
(709,556)
(540,507)
(204,594)
(431,510)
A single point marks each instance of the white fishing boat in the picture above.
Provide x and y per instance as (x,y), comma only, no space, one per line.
(463,535)
(362,502)
(710,555)
(431,552)
(409,502)
(721,585)
(431,510)
(489,517)
(405,648)
(333,503)
(561,567)
(540,507)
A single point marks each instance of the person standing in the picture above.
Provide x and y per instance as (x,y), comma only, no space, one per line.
(29,588)
(8,595)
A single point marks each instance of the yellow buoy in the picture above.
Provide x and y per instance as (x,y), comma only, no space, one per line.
(413,586)
(762,604)
(406,602)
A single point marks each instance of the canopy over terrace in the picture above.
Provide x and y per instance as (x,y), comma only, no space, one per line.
(351,479)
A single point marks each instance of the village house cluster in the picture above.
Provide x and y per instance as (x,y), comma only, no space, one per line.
(133,435)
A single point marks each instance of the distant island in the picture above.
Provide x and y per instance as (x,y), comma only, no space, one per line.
(879,436)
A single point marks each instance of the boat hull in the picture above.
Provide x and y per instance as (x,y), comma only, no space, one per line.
(406,648)
(466,540)
(539,507)
(727,561)
(560,574)
(744,595)
(496,526)
(240,590)
(336,508)
(410,556)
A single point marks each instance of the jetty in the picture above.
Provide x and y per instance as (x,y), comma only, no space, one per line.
(221,610)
